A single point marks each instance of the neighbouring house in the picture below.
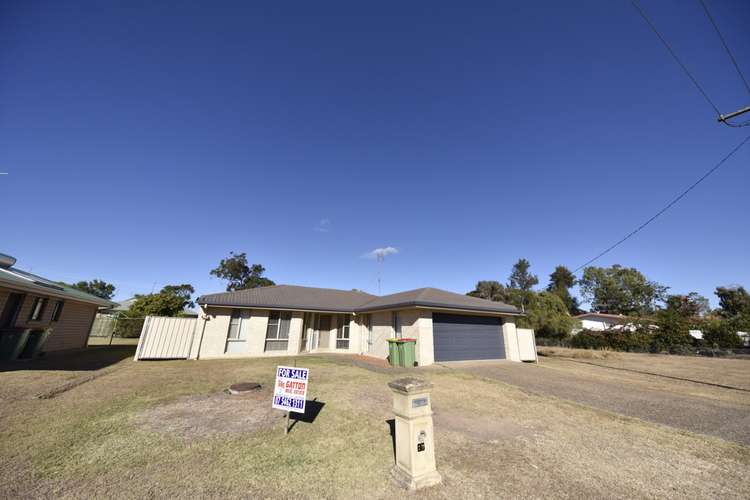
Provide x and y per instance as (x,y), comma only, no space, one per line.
(600,321)
(289,320)
(38,315)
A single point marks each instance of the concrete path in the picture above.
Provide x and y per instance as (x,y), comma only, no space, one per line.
(695,407)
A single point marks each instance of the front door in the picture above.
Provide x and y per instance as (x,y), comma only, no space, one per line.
(324,331)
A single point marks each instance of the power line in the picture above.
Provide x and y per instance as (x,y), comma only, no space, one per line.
(667,207)
(726,47)
(674,56)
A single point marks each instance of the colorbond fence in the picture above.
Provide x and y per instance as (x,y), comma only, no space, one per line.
(166,338)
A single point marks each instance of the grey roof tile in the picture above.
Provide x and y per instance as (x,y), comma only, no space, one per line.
(326,299)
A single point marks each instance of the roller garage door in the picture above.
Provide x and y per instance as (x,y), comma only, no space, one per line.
(459,337)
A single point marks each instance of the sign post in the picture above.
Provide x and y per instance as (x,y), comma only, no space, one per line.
(290,392)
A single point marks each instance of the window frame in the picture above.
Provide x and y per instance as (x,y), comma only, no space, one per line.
(240,315)
(396,324)
(57,310)
(37,309)
(343,332)
(277,330)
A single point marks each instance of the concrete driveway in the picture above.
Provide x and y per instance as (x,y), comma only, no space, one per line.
(686,405)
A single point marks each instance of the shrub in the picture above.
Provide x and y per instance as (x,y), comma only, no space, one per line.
(721,333)
(589,339)
(682,350)
(623,340)
(553,342)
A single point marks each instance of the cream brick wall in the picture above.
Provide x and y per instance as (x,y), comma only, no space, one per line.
(415,323)
(216,331)
(381,330)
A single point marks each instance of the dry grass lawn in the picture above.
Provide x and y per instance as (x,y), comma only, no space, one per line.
(165,429)
(115,341)
(732,372)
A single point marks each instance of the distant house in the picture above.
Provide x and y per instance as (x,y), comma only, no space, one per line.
(38,315)
(600,321)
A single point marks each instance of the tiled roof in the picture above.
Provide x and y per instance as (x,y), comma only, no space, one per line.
(326,299)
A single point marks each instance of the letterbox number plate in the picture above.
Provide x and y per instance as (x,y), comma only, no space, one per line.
(417,402)
(420,447)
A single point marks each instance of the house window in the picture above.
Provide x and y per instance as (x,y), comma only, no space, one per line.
(57,310)
(234,325)
(37,309)
(396,319)
(342,334)
(277,333)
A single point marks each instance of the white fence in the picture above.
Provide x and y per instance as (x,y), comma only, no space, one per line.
(166,338)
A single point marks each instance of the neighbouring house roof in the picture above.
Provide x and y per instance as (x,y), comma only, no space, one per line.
(600,315)
(18,279)
(326,299)
(125,305)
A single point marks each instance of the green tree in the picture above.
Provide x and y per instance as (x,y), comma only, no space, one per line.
(495,291)
(722,333)
(560,283)
(673,329)
(734,301)
(239,274)
(547,314)
(620,290)
(489,290)
(691,306)
(520,277)
(98,288)
(184,291)
(170,301)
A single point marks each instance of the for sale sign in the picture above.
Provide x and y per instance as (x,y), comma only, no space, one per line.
(291,389)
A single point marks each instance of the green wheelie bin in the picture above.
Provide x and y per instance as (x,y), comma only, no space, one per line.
(394,354)
(408,355)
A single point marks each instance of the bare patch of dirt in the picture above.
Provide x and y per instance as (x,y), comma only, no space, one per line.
(212,414)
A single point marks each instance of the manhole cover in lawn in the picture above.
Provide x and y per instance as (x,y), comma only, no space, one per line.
(243,387)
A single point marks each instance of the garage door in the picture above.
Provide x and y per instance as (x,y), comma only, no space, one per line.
(457,337)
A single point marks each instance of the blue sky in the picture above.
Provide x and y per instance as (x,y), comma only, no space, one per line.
(144,141)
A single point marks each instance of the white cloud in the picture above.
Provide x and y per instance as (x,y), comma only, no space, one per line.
(323,226)
(380,253)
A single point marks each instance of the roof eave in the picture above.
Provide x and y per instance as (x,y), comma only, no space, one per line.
(42,290)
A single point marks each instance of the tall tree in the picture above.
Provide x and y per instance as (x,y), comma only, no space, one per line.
(560,283)
(620,290)
(547,315)
(98,288)
(490,290)
(239,274)
(520,277)
(734,301)
(170,301)
(184,292)
(691,306)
